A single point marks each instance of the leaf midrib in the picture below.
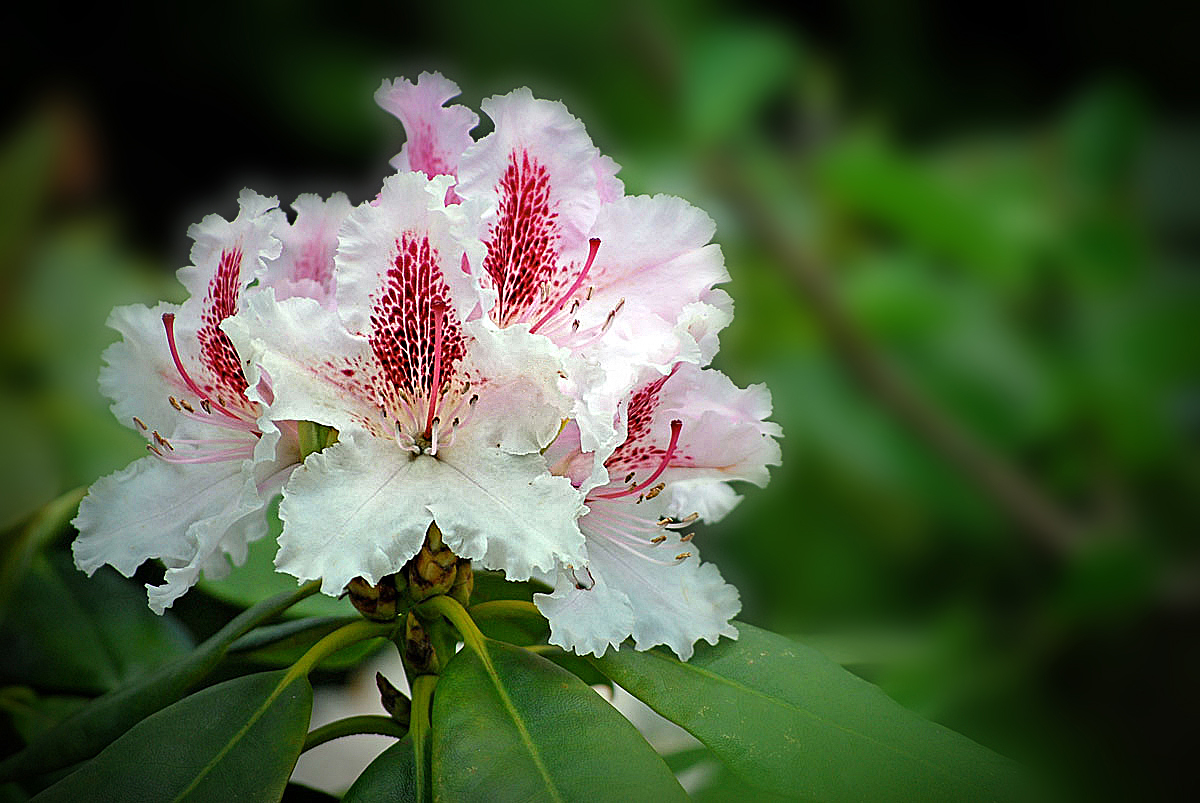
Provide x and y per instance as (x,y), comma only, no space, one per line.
(526,737)
(237,736)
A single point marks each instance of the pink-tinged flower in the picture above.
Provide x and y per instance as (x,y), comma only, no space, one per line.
(437,134)
(441,418)
(305,265)
(176,378)
(616,280)
(689,433)
(604,275)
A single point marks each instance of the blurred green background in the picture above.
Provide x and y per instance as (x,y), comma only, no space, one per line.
(964,257)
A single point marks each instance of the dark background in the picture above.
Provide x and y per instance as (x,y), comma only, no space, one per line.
(1002,200)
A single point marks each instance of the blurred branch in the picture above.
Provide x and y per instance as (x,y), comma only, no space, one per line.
(1052,527)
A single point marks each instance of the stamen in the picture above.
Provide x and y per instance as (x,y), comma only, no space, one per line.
(676,426)
(439,312)
(683,556)
(212,457)
(593,247)
(580,585)
(140,424)
(658,539)
(168,320)
(687,538)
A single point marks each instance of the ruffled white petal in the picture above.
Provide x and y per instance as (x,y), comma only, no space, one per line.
(506,511)
(656,256)
(152,509)
(521,404)
(213,543)
(303,349)
(253,232)
(673,602)
(355,508)
(138,374)
(362,507)
(437,134)
(586,620)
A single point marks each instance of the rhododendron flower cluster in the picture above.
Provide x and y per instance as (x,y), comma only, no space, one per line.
(507,345)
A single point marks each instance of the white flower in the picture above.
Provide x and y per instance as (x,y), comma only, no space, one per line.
(176,378)
(689,433)
(442,418)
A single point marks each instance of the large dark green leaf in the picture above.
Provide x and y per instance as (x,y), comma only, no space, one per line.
(238,740)
(86,733)
(68,633)
(790,721)
(510,725)
(392,776)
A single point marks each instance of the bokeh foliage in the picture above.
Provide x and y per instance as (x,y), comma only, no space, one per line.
(1034,278)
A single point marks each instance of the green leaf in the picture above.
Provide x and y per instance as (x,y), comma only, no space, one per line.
(32,714)
(19,548)
(510,725)
(392,776)
(86,733)
(514,621)
(72,634)
(490,586)
(577,665)
(238,740)
(789,721)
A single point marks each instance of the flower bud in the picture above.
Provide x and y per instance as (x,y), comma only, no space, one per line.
(464,583)
(376,602)
(419,654)
(394,702)
(434,569)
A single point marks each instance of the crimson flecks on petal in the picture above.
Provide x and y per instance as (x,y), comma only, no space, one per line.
(415,334)
(441,418)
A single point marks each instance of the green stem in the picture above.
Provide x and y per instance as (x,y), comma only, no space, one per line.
(337,640)
(503,609)
(267,636)
(351,726)
(458,617)
(420,727)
